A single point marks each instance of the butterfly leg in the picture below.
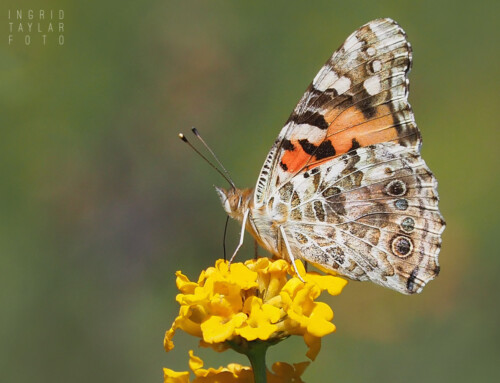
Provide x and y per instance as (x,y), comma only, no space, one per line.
(256,249)
(242,234)
(292,258)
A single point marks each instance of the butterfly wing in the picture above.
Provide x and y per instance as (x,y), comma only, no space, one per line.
(358,98)
(347,167)
(370,214)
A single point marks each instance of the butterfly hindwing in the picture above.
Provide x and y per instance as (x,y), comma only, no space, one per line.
(369,214)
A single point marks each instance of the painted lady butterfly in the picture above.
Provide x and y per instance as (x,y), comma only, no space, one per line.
(344,186)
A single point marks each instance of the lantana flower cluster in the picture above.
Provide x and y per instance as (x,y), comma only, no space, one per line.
(260,300)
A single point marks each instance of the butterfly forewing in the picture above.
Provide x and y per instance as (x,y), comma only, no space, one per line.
(358,98)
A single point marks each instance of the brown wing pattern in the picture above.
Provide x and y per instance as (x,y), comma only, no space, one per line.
(358,98)
(371,214)
(344,181)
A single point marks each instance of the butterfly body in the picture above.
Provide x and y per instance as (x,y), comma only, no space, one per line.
(344,186)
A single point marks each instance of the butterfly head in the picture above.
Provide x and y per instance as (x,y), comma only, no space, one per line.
(235,201)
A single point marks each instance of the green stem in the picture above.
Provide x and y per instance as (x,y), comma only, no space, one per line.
(257,356)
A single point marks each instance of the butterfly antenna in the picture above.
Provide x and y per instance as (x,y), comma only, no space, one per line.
(183,138)
(197,134)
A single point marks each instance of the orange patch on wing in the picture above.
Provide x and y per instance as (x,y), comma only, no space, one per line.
(352,124)
(345,126)
(349,118)
(369,133)
(295,159)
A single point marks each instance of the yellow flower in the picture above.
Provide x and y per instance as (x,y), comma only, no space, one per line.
(284,372)
(171,376)
(259,301)
(234,373)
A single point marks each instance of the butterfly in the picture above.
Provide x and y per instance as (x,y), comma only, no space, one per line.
(344,186)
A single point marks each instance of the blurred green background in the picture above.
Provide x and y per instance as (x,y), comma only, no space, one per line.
(101,203)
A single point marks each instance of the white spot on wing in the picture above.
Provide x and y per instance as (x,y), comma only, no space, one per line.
(325,79)
(342,85)
(351,43)
(322,72)
(389,34)
(372,85)
(371,51)
(388,37)
(313,133)
(376,65)
(384,29)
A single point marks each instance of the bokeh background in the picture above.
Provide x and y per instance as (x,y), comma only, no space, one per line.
(101,203)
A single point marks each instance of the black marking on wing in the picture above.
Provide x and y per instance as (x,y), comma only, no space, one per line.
(310,117)
(287,145)
(410,284)
(307,146)
(325,149)
(355,144)
(366,104)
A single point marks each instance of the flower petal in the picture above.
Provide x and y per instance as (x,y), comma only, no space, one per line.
(219,329)
(195,362)
(314,345)
(168,344)
(184,285)
(284,372)
(319,321)
(330,283)
(171,376)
